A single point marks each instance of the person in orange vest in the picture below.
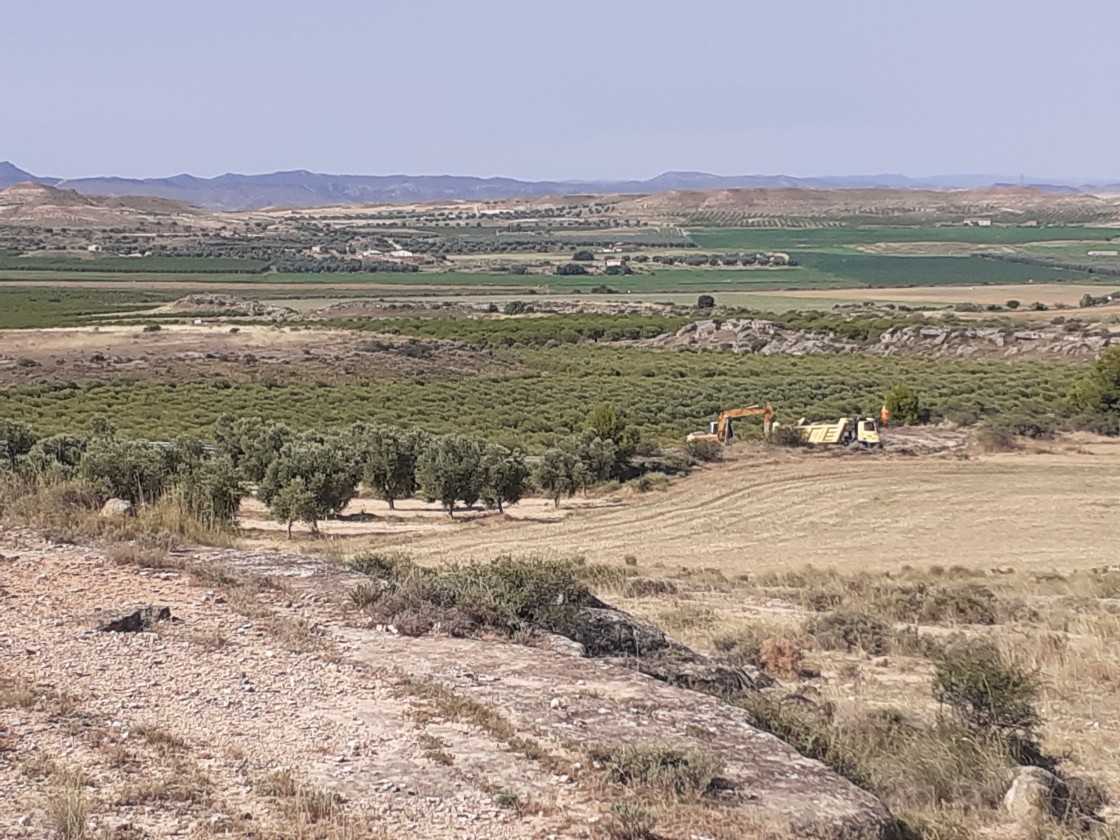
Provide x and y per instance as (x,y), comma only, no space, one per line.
(884,416)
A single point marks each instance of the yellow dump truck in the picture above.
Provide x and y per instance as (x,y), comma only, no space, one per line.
(846,431)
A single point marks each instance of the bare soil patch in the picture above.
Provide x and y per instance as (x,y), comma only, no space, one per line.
(249,354)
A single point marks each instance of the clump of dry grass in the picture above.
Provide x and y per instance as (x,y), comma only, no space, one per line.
(16,693)
(67,511)
(161,739)
(181,782)
(67,805)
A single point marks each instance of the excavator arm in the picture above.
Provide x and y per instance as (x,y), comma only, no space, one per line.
(723,425)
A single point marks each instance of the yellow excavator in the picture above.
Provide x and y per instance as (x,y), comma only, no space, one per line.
(721,429)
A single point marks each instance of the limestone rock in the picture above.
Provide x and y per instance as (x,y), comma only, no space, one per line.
(117,507)
(1036,791)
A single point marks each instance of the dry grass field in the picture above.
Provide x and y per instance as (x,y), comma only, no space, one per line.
(756,547)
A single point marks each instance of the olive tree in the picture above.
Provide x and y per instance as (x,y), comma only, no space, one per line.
(388,457)
(251,443)
(559,473)
(449,470)
(318,473)
(1098,393)
(504,477)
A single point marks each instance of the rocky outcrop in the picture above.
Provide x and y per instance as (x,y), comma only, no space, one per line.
(1036,792)
(136,620)
(214,304)
(753,335)
(604,632)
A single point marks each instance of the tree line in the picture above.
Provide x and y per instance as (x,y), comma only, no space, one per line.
(310,476)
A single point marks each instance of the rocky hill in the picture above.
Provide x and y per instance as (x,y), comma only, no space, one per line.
(28,203)
(768,338)
(253,698)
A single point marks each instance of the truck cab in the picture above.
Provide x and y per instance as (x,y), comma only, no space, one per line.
(867,432)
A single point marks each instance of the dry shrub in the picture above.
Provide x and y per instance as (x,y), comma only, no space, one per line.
(681,771)
(704,450)
(68,511)
(965,603)
(649,588)
(781,657)
(630,821)
(850,630)
(995,439)
(908,764)
(141,556)
(180,783)
(16,694)
(744,647)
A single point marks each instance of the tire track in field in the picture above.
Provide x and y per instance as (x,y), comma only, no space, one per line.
(683,512)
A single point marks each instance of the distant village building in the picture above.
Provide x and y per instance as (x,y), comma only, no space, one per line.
(978,221)
(94,249)
(400,252)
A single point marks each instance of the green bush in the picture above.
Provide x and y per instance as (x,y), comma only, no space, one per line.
(986,692)
(850,630)
(506,595)
(903,404)
(127,469)
(16,440)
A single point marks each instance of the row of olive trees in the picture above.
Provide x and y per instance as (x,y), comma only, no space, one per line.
(309,476)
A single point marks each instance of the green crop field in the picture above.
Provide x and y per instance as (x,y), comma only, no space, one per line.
(665,394)
(771,239)
(131,265)
(879,270)
(31,307)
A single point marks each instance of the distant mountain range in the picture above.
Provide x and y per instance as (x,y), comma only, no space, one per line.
(300,188)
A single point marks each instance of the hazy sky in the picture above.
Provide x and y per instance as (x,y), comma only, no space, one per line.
(561,88)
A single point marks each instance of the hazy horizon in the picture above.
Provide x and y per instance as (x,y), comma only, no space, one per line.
(562,91)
